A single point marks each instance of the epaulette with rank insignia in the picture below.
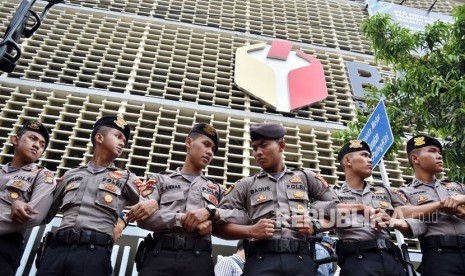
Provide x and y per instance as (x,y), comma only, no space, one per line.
(449,184)
(445,181)
(317,176)
(165,172)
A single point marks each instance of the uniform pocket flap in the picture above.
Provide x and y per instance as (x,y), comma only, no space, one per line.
(297,195)
(110,188)
(259,198)
(18,185)
(171,197)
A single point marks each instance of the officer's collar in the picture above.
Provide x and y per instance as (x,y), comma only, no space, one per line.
(91,167)
(345,188)
(416,182)
(263,173)
(8,168)
(178,172)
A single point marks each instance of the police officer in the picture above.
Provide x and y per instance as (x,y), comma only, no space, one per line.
(442,229)
(24,181)
(181,241)
(271,208)
(364,246)
(91,199)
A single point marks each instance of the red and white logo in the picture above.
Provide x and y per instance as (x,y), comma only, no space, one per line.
(280,77)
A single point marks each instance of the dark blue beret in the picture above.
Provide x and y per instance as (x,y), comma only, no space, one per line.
(353,146)
(115,122)
(209,131)
(38,128)
(420,141)
(267,131)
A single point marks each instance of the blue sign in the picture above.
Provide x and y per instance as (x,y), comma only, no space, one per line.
(414,19)
(377,133)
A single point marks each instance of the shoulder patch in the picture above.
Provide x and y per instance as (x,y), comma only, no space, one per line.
(400,195)
(139,184)
(229,189)
(151,182)
(323,181)
(146,192)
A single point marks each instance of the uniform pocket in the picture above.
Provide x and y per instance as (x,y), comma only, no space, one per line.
(298,201)
(108,196)
(262,204)
(70,193)
(382,204)
(16,190)
(169,198)
(422,199)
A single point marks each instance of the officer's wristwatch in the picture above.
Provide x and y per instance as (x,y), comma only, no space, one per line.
(316,227)
(212,209)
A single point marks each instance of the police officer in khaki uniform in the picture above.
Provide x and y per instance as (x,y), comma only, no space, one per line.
(271,208)
(23,181)
(364,246)
(181,241)
(91,199)
(442,231)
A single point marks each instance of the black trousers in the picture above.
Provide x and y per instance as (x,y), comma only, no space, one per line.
(177,263)
(443,262)
(282,264)
(11,250)
(76,260)
(372,263)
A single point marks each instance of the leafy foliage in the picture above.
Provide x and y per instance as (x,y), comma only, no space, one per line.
(428,94)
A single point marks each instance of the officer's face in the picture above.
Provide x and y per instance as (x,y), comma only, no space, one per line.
(360,162)
(268,154)
(200,150)
(29,146)
(428,158)
(111,140)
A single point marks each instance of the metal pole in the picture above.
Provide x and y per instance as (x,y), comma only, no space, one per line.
(384,177)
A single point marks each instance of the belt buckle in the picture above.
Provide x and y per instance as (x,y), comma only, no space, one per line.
(179,242)
(74,237)
(284,245)
(381,244)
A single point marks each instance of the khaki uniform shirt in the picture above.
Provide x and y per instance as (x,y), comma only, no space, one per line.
(31,184)
(92,197)
(175,195)
(357,226)
(419,193)
(262,196)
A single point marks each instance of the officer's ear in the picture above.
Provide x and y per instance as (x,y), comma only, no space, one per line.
(189,141)
(282,144)
(99,137)
(15,140)
(346,161)
(414,157)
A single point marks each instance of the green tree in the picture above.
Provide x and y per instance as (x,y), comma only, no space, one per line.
(429,93)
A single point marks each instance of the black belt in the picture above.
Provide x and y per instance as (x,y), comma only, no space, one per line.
(16,238)
(346,248)
(178,243)
(278,246)
(72,236)
(448,241)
